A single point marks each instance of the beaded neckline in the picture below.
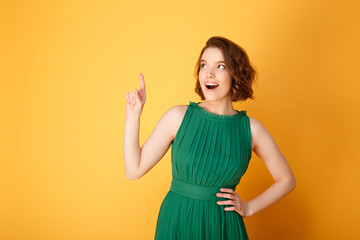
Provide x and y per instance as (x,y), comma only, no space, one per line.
(213,115)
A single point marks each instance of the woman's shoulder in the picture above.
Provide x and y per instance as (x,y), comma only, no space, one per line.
(177,111)
(258,130)
(179,108)
(255,124)
(174,117)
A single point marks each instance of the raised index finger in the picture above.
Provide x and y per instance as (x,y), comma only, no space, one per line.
(142,84)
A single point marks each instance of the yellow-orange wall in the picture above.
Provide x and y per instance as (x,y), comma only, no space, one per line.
(65,67)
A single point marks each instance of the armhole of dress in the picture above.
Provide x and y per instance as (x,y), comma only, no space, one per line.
(248,130)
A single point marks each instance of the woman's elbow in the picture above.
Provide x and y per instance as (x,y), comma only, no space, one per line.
(292,183)
(131,176)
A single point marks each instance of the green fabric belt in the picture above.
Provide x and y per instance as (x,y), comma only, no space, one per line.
(196,191)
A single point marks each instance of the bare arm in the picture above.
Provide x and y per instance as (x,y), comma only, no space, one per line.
(131,147)
(266,148)
(138,161)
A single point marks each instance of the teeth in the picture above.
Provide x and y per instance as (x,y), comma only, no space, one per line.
(211,85)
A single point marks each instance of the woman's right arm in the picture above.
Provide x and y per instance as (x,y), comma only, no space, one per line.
(138,161)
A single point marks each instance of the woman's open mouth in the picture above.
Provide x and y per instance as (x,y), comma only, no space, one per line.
(211,86)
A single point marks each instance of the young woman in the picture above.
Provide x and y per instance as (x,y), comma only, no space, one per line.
(211,149)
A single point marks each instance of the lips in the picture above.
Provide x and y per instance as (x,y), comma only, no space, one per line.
(211,85)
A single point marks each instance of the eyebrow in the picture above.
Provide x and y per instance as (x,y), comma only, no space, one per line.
(203,60)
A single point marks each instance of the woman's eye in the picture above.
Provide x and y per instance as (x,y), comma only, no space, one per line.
(203,65)
(222,66)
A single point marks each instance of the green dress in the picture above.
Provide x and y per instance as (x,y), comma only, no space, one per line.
(210,151)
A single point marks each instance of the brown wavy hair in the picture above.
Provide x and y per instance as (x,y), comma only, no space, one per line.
(237,64)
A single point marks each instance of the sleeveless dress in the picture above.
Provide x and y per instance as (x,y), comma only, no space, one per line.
(209,152)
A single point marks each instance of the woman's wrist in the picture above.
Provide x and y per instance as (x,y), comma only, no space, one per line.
(249,210)
(132,117)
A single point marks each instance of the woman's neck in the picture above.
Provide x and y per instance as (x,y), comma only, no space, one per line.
(218,107)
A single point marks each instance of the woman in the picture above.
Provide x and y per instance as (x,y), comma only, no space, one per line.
(211,148)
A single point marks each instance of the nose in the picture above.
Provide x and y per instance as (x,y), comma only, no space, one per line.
(210,73)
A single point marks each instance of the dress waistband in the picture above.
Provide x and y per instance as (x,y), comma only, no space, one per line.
(196,191)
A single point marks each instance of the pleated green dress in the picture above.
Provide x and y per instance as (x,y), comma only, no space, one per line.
(210,151)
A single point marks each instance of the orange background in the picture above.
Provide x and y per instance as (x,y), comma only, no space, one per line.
(65,67)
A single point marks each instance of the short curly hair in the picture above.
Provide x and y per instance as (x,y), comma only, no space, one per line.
(238,65)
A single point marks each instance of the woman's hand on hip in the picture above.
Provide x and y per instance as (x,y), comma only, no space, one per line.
(136,99)
(234,199)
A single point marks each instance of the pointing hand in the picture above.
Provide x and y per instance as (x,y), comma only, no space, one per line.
(136,99)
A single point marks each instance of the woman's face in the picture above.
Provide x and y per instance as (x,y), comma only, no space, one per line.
(215,80)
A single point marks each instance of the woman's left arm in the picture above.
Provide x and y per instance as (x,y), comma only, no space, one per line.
(264,146)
